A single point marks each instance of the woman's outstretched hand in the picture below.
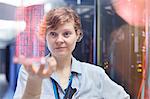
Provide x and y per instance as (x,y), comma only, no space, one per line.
(38,69)
(41,68)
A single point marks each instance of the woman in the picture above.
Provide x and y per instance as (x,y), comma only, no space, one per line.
(65,77)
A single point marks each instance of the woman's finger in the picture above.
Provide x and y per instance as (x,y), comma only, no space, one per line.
(41,69)
(26,62)
(51,65)
(22,60)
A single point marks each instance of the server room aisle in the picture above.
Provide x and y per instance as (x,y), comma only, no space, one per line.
(3,85)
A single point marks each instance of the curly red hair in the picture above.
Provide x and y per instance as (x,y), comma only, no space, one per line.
(56,17)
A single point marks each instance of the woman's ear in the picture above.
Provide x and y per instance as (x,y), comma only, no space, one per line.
(80,35)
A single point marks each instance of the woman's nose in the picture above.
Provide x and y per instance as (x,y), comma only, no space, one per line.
(60,39)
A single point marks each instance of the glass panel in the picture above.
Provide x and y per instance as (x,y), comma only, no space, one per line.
(124,43)
(27,43)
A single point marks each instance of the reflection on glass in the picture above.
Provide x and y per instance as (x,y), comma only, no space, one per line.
(125,44)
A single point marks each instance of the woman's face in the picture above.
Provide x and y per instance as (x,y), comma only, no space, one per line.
(61,42)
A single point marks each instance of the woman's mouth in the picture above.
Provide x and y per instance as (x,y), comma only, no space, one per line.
(60,47)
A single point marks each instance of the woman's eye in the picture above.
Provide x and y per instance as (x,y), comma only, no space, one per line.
(67,34)
(52,34)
